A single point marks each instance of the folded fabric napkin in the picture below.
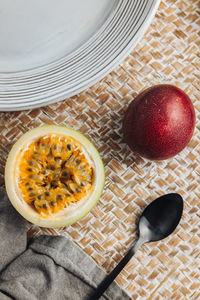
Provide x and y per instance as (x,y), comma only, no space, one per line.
(47,267)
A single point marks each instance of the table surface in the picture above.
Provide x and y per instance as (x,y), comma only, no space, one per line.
(168,53)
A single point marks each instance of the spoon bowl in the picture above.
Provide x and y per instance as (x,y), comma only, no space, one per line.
(160,218)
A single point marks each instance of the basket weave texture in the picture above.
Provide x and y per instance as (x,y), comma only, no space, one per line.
(168,53)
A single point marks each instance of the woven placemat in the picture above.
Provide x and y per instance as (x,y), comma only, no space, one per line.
(168,53)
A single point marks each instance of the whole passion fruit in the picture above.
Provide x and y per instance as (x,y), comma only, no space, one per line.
(159,122)
(54,176)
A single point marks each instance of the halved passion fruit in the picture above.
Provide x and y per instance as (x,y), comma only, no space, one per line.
(54,176)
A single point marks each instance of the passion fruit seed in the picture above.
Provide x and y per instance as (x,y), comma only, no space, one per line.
(59,176)
(43,148)
(45,172)
(54,183)
(33,163)
(52,168)
(45,206)
(32,194)
(65,174)
(57,150)
(69,147)
(78,161)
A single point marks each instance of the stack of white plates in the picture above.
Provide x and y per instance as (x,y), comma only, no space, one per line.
(51,50)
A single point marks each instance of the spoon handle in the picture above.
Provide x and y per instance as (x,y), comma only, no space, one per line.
(111,277)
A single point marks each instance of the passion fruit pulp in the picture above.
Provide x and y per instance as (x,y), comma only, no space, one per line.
(54,176)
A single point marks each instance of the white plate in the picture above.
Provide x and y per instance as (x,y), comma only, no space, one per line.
(35,33)
(52,50)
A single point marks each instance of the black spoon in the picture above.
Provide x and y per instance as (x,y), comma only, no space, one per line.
(158,220)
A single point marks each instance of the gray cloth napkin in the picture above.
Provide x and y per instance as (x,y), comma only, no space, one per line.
(47,267)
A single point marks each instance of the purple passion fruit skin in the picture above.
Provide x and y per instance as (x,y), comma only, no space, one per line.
(159,122)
